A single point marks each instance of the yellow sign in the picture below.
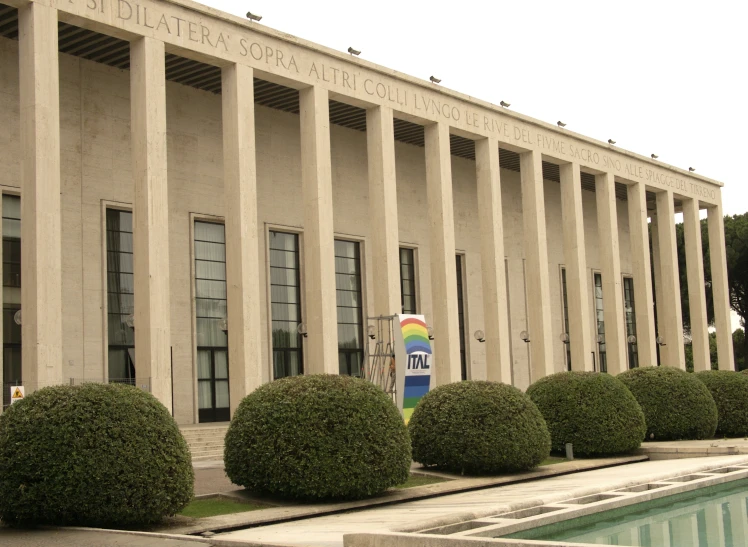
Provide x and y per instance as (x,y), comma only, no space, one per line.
(16,393)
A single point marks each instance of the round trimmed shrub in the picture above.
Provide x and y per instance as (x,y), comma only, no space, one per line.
(478,428)
(592,410)
(101,455)
(317,437)
(730,392)
(676,404)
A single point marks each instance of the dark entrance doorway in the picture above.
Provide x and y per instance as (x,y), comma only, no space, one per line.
(213,385)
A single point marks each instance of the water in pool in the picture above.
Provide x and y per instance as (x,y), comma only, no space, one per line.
(708,517)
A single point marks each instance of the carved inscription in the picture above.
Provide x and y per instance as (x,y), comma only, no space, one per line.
(280,58)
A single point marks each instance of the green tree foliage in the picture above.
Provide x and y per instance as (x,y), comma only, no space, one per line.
(93,455)
(478,427)
(592,410)
(317,437)
(736,247)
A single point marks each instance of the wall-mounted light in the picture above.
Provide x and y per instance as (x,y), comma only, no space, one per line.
(301,329)
(354,51)
(525,336)
(430,331)
(434,79)
(252,17)
(224,325)
(600,338)
(130,321)
(371,331)
(660,341)
(631,339)
(17,317)
(480,336)
(505,104)
(564,337)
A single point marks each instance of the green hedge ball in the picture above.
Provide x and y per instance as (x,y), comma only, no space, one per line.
(317,437)
(676,404)
(730,392)
(478,427)
(593,411)
(93,455)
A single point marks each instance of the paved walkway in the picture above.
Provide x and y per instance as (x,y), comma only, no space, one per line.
(210,478)
(86,538)
(328,531)
(694,449)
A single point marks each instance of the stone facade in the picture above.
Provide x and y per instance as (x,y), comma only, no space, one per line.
(302,186)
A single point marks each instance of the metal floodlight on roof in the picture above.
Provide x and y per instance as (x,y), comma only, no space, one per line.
(252,17)
(611,141)
(353,51)
(692,169)
(505,104)
(654,156)
(434,79)
(560,123)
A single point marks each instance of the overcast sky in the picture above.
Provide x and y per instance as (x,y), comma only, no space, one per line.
(657,76)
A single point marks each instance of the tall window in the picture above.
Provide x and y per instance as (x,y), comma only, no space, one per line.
(120,305)
(350,307)
(408,280)
(567,345)
(461,318)
(600,322)
(210,311)
(11,294)
(630,313)
(285,303)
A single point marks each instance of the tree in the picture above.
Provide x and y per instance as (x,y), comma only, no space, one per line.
(736,247)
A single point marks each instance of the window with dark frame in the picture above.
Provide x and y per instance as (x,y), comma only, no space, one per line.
(461,318)
(600,319)
(285,303)
(12,372)
(350,307)
(566,317)
(408,280)
(630,313)
(120,296)
(210,322)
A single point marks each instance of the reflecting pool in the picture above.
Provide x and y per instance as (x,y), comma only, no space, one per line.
(709,517)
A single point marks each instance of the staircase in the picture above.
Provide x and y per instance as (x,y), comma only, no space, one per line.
(205,441)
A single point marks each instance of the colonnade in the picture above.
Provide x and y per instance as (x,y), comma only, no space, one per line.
(41,297)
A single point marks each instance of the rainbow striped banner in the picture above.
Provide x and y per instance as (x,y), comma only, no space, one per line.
(414,358)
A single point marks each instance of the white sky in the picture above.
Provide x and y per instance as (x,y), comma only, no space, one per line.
(659,76)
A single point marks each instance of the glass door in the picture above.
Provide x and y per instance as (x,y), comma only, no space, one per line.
(213,385)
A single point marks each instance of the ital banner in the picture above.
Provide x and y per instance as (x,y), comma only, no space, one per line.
(414,360)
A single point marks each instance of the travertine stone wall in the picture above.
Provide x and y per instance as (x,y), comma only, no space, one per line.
(96,172)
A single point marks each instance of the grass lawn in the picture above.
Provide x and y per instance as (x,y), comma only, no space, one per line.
(419,480)
(550,460)
(217,506)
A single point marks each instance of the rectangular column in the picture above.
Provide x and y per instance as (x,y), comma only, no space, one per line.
(41,264)
(490,217)
(696,290)
(720,288)
(319,240)
(641,268)
(669,309)
(442,253)
(536,256)
(150,217)
(242,241)
(380,139)
(610,261)
(575,258)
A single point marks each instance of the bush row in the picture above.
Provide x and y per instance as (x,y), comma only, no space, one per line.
(109,455)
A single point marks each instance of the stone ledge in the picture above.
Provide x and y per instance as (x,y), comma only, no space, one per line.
(275,515)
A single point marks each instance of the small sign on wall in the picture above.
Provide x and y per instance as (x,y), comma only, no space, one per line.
(16,393)
(414,359)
